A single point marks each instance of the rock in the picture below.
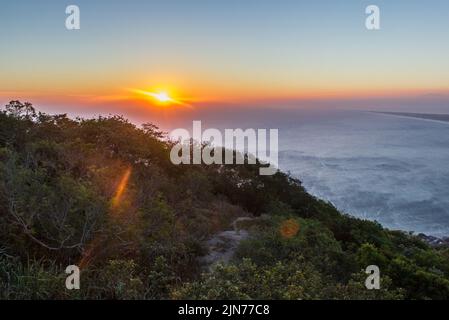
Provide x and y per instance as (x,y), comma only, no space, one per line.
(434,241)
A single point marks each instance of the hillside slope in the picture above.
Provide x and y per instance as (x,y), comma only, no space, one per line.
(102,194)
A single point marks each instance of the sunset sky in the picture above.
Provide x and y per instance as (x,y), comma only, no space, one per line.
(221,51)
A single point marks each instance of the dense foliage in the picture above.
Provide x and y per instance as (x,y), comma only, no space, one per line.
(102,194)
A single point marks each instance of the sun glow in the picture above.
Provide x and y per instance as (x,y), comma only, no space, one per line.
(160,97)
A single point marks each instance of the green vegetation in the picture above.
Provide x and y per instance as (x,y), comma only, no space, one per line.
(102,194)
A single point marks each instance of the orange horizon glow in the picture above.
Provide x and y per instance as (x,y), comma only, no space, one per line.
(163,98)
(186,88)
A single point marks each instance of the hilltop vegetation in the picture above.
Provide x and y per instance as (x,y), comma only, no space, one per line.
(102,194)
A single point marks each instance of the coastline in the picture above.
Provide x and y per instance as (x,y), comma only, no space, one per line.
(433,117)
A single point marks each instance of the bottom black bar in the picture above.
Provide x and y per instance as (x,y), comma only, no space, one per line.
(225,309)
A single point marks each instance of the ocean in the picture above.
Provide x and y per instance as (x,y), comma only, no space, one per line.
(394,170)
(382,167)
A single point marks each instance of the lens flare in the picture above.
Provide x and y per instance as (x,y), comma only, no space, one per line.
(121,188)
(289,228)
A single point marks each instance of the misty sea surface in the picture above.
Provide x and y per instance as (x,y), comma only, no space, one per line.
(394,170)
(387,168)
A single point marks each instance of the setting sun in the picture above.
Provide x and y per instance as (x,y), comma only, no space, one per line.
(161,96)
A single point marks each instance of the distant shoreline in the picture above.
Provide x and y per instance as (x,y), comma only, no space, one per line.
(422,116)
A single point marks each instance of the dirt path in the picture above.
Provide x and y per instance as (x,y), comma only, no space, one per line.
(223,245)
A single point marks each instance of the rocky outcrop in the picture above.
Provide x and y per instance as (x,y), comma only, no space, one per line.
(434,241)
